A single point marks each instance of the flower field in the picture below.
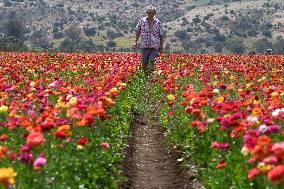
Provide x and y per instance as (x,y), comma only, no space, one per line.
(65,118)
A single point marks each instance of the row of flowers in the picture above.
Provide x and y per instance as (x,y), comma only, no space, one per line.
(53,104)
(227,109)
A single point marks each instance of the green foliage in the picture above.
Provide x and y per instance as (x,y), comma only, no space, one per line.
(89,31)
(181,34)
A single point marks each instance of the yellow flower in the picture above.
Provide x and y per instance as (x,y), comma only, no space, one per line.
(73,101)
(113,90)
(159,72)
(274,94)
(170,97)
(3,109)
(80,147)
(32,84)
(245,151)
(7,175)
(220,99)
(264,167)
(256,102)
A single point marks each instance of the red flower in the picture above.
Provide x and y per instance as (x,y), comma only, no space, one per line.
(221,165)
(35,139)
(82,141)
(276,175)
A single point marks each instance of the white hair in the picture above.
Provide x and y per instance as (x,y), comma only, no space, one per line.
(151,8)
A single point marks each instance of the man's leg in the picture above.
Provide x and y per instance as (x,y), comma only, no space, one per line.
(145,60)
(152,59)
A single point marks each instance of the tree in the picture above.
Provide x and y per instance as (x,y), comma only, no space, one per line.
(111,43)
(89,31)
(73,33)
(261,45)
(14,28)
(235,45)
(181,34)
(279,45)
(39,39)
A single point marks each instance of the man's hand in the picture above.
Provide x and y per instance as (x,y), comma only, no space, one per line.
(134,45)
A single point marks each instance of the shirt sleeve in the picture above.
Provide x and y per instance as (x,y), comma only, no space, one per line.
(138,26)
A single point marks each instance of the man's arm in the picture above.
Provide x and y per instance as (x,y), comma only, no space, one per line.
(138,33)
(161,44)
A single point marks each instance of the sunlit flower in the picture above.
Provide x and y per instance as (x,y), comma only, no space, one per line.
(170,97)
(80,147)
(216,91)
(73,101)
(3,109)
(245,151)
(7,176)
(220,99)
(264,167)
(256,111)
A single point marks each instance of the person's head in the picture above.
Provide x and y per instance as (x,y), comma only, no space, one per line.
(151,11)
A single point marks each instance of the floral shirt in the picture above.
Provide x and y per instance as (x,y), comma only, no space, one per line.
(150,36)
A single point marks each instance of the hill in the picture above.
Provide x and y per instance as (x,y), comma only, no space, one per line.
(214,26)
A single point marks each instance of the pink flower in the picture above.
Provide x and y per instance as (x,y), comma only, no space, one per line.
(270,160)
(105,145)
(26,148)
(278,149)
(39,162)
(253,173)
(222,146)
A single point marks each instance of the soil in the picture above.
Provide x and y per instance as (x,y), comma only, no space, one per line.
(149,163)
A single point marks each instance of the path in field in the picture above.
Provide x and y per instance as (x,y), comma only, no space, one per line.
(148,163)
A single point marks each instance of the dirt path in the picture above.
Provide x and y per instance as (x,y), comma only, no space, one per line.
(148,163)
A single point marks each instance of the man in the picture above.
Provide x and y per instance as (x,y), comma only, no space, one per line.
(151,32)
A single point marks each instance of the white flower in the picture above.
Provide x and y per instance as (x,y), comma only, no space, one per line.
(216,91)
(252,119)
(210,120)
(276,112)
(262,128)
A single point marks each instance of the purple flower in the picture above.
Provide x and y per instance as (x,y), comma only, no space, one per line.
(26,158)
(272,129)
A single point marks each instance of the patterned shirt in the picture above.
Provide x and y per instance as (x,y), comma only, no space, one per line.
(150,36)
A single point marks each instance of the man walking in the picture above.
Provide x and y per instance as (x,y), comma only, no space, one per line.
(151,31)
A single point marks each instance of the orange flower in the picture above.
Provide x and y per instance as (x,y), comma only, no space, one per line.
(35,139)
(93,110)
(3,151)
(81,123)
(256,111)
(106,101)
(63,131)
(4,137)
